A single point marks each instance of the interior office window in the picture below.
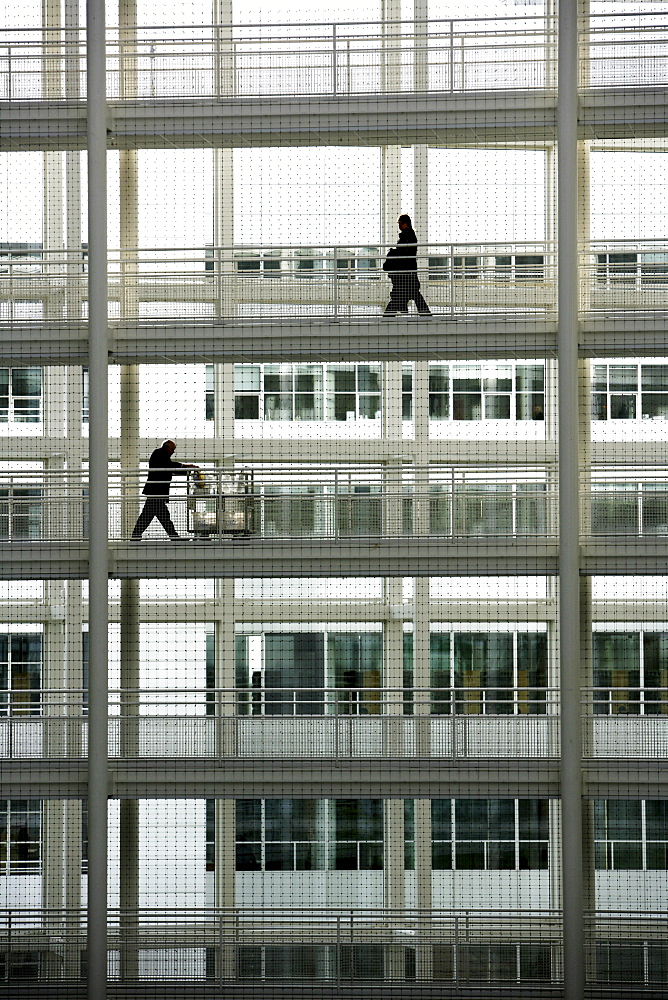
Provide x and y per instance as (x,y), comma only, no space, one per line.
(617,268)
(20,835)
(307,392)
(210,395)
(504,962)
(20,395)
(483,673)
(321,961)
(407,391)
(510,391)
(630,673)
(20,673)
(627,391)
(309,834)
(85,396)
(210,835)
(284,673)
(489,834)
(519,267)
(631,835)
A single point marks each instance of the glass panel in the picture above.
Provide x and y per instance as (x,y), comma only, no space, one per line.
(345,406)
(247,407)
(294,661)
(654,378)
(368,377)
(497,407)
(623,378)
(484,510)
(622,407)
(276,379)
(467,406)
(355,663)
(599,406)
(278,407)
(655,405)
(439,378)
(531,673)
(370,407)
(656,819)
(344,379)
(308,406)
(655,508)
(530,407)
(531,508)
(599,379)
(27,381)
(530,378)
(500,381)
(439,406)
(439,655)
(616,673)
(308,379)
(246,378)
(656,673)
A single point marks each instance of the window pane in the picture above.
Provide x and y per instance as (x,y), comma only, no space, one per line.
(368,377)
(467,406)
(623,378)
(246,378)
(497,407)
(27,381)
(247,407)
(439,378)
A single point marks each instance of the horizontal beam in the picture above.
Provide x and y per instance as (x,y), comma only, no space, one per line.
(321,558)
(503,335)
(316,778)
(474,118)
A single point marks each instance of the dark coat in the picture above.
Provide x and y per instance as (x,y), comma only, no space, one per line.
(158,482)
(403,256)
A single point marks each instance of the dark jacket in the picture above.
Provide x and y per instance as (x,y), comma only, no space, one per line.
(405,251)
(158,482)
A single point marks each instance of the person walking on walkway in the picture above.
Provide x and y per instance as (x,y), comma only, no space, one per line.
(161,469)
(401,265)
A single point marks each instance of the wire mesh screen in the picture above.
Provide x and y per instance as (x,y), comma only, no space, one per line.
(386,667)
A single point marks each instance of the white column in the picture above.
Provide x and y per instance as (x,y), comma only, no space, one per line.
(98,545)
(569,453)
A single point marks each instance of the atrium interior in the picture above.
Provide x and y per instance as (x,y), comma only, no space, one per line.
(387,715)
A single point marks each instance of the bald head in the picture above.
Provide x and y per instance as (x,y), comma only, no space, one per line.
(169,446)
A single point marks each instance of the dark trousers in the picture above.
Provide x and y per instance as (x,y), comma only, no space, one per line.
(405,286)
(154,507)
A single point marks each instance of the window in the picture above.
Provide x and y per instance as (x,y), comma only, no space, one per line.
(489,834)
(303,961)
(283,673)
(484,673)
(307,392)
(20,673)
(210,392)
(629,392)
(487,392)
(630,673)
(309,834)
(631,834)
(20,835)
(20,395)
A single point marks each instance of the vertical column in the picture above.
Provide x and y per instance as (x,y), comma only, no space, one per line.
(98,544)
(130,589)
(394,879)
(569,562)
(223,237)
(225,814)
(424,959)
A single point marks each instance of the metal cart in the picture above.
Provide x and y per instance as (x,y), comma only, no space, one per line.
(221,503)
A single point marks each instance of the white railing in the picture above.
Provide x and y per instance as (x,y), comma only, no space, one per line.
(457,723)
(324,723)
(247,283)
(342,283)
(619,500)
(353,58)
(278,502)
